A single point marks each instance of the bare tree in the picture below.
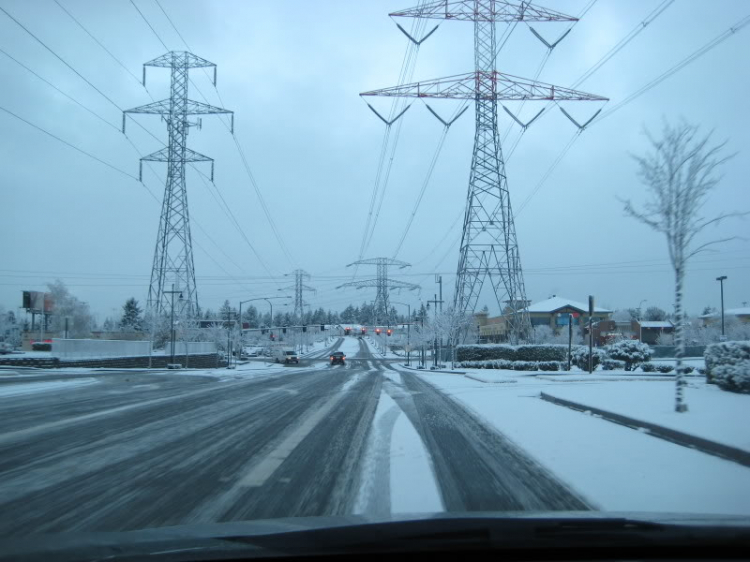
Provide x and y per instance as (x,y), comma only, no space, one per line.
(679,173)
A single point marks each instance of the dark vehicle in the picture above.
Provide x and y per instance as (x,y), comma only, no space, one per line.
(338,357)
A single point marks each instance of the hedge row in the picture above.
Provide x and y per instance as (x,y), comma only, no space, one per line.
(728,365)
(514,365)
(505,352)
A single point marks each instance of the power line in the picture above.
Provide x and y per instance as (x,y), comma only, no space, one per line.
(118,61)
(71,98)
(695,55)
(58,57)
(149,25)
(74,147)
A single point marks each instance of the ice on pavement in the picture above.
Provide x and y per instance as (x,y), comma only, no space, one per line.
(22,388)
(616,468)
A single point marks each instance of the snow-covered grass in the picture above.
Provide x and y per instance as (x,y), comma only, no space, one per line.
(19,389)
(713,413)
(616,468)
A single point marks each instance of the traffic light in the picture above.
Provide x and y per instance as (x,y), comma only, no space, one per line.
(283,330)
(389,331)
(263,331)
(273,337)
(304,328)
(322,327)
(377,331)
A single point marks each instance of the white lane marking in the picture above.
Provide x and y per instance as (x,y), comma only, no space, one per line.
(21,388)
(262,471)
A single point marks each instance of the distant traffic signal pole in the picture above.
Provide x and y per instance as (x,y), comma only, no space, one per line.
(720,280)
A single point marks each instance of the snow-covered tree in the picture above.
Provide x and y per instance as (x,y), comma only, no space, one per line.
(679,172)
(655,313)
(131,320)
(65,305)
(10,328)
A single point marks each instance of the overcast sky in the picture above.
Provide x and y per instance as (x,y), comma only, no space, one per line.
(292,72)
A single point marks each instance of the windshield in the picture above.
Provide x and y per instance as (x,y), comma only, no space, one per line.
(264,260)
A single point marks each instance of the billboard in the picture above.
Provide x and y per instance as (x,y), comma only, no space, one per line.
(37,301)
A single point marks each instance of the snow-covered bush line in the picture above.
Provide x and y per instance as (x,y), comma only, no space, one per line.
(485,352)
(514,365)
(728,365)
(580,357)
(631,353)
(612,365)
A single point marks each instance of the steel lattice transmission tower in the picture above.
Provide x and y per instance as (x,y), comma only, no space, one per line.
(382,284)
(173,256)
(489,247)
(299,289)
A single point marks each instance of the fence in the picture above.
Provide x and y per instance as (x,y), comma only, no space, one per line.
(85,349)
(74,349)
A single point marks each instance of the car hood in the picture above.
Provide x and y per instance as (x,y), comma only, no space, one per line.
(360,533)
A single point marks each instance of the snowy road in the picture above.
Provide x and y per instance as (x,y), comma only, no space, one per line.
(137,450)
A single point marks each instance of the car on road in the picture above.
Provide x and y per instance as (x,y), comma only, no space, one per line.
(5,347)
(338,358)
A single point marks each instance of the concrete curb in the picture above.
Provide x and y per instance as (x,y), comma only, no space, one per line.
(701,444)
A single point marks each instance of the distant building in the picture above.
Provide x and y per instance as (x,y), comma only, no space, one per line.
(742,314)
(555,312)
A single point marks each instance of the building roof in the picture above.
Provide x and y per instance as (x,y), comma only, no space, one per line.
(656,324)
(742,311)
(556,303)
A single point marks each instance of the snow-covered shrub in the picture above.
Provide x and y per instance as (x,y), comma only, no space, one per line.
(632,352)
(525,365)
(701,371)
(580,357)
(665,368)
(612,365)
(41,346)
(687,369)
(728,365)
(484,352)
(549,366)
(648,367)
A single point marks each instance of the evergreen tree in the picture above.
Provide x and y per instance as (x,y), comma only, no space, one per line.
(131,320)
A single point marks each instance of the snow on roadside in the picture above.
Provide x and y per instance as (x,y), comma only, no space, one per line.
(21,388)
(713,413)
(616,468)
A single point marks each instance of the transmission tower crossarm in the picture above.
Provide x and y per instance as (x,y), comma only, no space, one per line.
(163,107)
(491,11)
(163,155)
(381,261)
(485,85)
(190,60)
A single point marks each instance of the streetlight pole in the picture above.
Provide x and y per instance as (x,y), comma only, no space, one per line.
(721,281)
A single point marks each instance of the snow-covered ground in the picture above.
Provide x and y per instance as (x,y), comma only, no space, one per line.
(9,390)
(616,468)
(713,413)
(350,346)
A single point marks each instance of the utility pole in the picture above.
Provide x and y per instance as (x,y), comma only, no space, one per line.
(382,285)
(721,281)
(591,334)
(489,247)
(173,256)
(408,331)
(570,339)
(171,294)
(435,301)
(299,288)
